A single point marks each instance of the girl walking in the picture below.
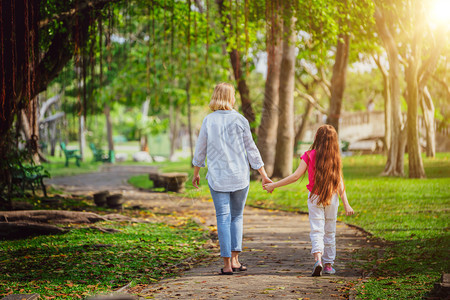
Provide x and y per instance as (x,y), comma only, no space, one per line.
(225,139)
(324,166)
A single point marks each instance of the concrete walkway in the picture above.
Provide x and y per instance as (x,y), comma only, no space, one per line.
(276,248)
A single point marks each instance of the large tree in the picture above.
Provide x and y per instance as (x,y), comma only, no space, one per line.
(286,133)
(267,131)
(231,37)
(409,39)
(38,39)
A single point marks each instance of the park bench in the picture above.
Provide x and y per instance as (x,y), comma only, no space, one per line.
(70,154)
(29,176)
(98,154)
(173,182)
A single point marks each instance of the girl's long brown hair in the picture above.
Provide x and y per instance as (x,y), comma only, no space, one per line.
(328,173)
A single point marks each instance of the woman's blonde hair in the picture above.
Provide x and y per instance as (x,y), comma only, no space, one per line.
(222,97)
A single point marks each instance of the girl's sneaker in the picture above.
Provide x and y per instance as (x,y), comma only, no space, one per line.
(317,270)
(329,270)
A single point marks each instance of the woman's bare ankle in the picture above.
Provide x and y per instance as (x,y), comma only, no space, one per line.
(235,259)
(227,265)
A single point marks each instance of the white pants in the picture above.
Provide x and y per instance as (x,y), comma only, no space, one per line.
(323,227)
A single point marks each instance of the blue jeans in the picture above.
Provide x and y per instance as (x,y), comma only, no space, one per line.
(229,213)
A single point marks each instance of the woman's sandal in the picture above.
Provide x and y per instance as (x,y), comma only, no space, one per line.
(242,268)
(225,273)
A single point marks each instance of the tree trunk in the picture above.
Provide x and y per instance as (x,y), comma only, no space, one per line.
(144,136)
(236,64)
(52,130)
(174,129)
(387,106)
(19,230)
(171,129)
(81,135)
(109,133)
(286,134)
(188,101)
(428,116)
(416,169)
(396,152)
(17,45)
(415,163)
(267,131)
(338,80)
(243,89)
(28,132)
(50,216)
(304,123)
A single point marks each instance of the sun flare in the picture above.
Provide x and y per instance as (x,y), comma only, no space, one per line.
(440,11)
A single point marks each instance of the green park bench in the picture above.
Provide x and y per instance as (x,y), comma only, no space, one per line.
(98,154)
(29,176)
(70,154)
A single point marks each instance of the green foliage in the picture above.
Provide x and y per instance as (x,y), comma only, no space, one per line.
(360,88)
(84,261)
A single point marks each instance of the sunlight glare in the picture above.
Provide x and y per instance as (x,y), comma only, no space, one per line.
(440,11)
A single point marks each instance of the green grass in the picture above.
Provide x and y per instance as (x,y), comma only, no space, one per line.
(141,181)
(56,167)
(410,215)
(75,265)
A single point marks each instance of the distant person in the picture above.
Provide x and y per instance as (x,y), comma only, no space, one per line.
(226,141)
(324,166)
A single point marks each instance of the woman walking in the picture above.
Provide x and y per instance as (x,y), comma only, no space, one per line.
(225,139)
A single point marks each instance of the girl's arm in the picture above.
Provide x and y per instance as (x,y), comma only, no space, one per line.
(288,180)
(348,209)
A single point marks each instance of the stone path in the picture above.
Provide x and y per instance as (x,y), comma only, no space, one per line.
(276,248)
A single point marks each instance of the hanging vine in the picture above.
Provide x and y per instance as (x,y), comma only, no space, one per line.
(92,39)
(77,60)
(207,31)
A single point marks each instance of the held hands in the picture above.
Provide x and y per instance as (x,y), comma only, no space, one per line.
(266,181)
(269,187)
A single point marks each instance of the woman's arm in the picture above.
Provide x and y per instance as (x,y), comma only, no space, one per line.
(253,155)
(201,147)
(265,178)
(288,180)
(200,154)
(348,209)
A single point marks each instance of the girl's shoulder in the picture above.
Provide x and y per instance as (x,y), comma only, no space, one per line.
(309,155)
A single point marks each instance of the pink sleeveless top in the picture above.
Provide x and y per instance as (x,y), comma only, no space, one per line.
(310,159)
